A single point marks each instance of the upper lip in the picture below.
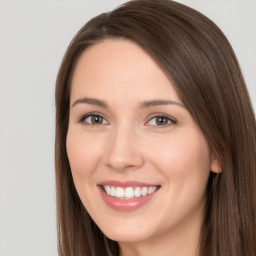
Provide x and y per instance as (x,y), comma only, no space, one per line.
(125,184)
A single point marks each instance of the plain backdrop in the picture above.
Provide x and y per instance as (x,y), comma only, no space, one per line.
(33,38)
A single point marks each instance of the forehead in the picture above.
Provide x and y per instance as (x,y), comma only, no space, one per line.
(117,67)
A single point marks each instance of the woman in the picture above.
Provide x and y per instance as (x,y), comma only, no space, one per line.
(155,138)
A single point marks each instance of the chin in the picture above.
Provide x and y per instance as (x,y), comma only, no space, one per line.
(122,234)
(128,238)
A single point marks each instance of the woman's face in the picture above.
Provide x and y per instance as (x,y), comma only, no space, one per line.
(139,161)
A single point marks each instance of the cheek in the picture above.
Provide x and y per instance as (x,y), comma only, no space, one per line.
(83,154)
(184,161)
(184,154)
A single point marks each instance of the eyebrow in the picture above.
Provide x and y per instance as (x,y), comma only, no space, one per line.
(91,101)
(153,103)
(145,104)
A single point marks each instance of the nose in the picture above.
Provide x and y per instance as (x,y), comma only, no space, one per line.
(124,151)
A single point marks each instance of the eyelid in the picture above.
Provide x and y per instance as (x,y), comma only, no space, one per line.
(171,118)
(84,116)
(154,115)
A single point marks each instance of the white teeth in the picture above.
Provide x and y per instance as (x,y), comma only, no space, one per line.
(107,189)
(151,190)
(137,192)
(129,192)
(144,191)
(113,191)
(119,192)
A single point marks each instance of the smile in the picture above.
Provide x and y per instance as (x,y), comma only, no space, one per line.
(128,192)
(127,196)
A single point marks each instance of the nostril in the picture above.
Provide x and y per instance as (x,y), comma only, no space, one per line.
(125,163)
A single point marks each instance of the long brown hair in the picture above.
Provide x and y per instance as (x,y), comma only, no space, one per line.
(200,62)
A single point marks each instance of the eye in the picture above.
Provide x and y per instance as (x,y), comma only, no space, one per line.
(161,120)
(93,119)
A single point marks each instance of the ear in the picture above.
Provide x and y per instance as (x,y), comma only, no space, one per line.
(215,165)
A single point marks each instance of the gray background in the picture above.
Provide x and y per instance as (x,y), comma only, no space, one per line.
(33,38)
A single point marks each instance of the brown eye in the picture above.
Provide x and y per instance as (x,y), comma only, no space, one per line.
(160,121)
(95,119)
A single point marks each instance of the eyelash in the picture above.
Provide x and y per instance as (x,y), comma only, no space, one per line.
(170,119)
(83,117)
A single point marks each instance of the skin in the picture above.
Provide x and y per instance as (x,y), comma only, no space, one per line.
(129,144)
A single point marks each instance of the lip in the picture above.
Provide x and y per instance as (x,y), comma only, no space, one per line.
(125,184)
(126,205)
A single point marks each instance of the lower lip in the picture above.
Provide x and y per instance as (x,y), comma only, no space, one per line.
(126,205)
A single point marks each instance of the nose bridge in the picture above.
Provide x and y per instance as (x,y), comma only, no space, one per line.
(123,151)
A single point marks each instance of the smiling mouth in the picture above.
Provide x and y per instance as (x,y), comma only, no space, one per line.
(129,193)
